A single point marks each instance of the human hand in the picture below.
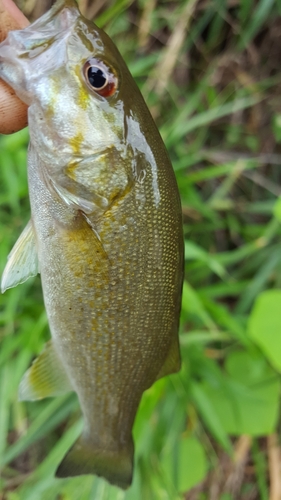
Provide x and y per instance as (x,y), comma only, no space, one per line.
(13,112)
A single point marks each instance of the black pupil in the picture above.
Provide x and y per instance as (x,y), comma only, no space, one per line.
(96,77)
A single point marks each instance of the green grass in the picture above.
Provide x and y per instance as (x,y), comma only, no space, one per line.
(219,114)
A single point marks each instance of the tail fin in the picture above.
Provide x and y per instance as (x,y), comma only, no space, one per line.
(115,466)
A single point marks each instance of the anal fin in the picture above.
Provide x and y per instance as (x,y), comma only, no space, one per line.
(22,260)
(172,363)
(45,378)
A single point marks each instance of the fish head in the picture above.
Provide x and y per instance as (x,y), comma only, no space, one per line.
(83,103)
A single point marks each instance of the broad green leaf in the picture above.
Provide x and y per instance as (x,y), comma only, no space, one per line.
(183,466)
(264,325)
(248,403)
(209,414)
(192,465)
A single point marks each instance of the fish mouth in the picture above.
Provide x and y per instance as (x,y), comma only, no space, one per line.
(18,52)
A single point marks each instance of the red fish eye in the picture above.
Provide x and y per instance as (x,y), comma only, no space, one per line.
(99,77)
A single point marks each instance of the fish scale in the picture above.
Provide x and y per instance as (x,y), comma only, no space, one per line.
(105,232)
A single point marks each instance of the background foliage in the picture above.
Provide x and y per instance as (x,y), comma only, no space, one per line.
(210,72)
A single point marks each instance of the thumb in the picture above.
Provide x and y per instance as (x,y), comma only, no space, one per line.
(13,112)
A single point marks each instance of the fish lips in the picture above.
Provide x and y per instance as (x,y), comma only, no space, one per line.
(19,51)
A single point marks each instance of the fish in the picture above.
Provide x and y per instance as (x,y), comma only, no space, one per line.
(105,234)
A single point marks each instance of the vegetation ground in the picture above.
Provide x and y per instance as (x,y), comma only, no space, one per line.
(210,73)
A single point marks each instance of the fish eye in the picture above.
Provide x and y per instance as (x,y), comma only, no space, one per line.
(99,77)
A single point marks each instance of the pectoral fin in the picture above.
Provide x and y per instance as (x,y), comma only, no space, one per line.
(22,260)
(172,363)
(75,194)
(73,200)
(45,378)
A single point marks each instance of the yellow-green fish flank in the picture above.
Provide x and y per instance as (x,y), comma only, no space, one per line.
(105,233)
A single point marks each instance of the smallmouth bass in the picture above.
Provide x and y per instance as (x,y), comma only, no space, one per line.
(105,233)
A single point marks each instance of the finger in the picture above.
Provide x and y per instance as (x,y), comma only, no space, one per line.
(11,18)
(13,112)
